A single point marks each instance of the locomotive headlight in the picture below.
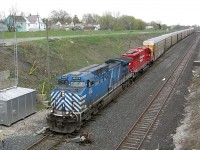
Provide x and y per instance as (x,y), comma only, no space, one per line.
(67,112)
(51,111)
(63,94)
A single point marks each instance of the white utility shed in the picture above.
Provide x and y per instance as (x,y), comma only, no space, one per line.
(16,103)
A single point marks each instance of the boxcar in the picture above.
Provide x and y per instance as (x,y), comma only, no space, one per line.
(157,45)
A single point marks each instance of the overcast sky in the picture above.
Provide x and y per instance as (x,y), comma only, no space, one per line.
(170,12)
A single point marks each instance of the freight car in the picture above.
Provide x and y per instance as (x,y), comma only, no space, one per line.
(81,94)
(162,43)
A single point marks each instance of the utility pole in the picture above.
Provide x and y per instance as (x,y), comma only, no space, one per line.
(2,33)
(38,20)
(15,52)
(129,43)
(48,55)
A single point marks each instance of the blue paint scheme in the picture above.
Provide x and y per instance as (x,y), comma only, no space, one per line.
(77,91)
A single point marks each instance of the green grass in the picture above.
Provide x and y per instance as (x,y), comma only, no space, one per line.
(40,106)
(8,35)
(68,54)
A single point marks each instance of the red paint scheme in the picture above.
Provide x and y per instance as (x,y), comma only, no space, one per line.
(141,57)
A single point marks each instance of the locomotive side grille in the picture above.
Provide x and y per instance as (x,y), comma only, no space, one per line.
(70,101)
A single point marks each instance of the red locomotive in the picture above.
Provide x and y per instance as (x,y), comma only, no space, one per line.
(141,57)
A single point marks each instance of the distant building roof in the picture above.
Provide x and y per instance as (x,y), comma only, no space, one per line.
(17,18)
(20,18)
(32,18)
(2,21)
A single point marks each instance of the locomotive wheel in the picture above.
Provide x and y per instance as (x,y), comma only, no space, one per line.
(123,86)
(141,71)
(131,81)
(151,63)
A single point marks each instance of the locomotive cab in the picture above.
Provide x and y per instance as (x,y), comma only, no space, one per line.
(75,85)
(74,93)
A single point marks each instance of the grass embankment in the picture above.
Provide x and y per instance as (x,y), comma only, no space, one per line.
(8,35)
(66,55)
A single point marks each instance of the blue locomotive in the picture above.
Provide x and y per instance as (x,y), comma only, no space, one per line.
(79,95)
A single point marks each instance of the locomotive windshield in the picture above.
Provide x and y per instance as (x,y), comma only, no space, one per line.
(62,83)
(75,86)
(78,84)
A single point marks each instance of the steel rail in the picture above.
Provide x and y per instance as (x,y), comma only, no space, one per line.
(47,142)
(58,142)
(144,122)
(38,142)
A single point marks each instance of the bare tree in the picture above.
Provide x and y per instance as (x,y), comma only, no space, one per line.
(107,21)
(75,20)
(61,16)
(10,21)
(126,23)
(2,15)
(90,18)
(23,14)
(13,10)
(159,24)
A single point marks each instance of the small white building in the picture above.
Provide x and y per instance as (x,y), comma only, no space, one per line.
(59,24)
(97,27)
(35,23)
(16,103)
(27,24)
(149,27)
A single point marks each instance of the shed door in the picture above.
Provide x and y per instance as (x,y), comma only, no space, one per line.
(14,108)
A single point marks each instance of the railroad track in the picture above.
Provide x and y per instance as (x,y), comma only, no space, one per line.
(148,70)
(48,142)
(138,133)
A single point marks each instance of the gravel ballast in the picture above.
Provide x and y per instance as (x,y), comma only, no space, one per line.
(116,119)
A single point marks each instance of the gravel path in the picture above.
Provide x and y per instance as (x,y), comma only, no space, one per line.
(9,42)
(21,134)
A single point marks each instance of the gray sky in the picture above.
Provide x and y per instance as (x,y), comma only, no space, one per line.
(170,12)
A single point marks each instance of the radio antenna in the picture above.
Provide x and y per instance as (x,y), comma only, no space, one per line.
(15,52)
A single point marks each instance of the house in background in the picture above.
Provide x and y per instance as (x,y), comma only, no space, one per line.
(149,27)
(35,23)
(57,25)
(20,23)
(3,27)
(27,24)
